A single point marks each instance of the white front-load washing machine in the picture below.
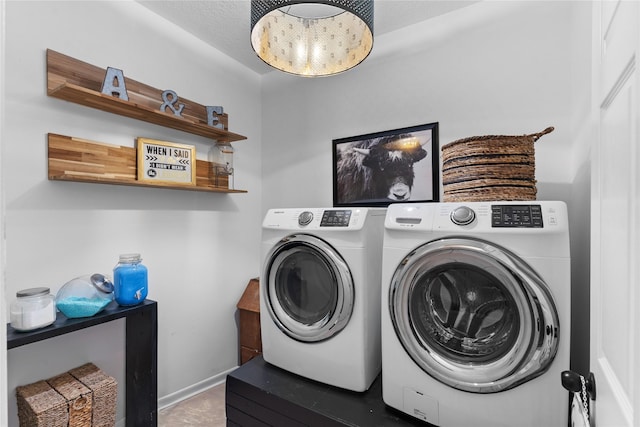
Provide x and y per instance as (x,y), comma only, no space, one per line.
(476,313)
(320,293)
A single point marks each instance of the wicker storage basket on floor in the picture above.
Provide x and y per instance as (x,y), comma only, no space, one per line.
(104,391)
(490,168)
(78,399)
(39,405)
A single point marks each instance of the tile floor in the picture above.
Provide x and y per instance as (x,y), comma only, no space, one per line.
(204,409)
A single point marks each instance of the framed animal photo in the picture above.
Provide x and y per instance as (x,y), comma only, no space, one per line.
(394,166)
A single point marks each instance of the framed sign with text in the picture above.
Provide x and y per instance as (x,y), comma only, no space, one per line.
(165,162)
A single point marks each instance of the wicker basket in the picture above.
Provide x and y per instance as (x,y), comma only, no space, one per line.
(40,405)
(490,168)
(78,399)
(104,391)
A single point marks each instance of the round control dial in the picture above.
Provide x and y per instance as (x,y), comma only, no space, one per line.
(305,218)
(462,215)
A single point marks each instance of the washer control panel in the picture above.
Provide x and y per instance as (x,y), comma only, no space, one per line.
(337,218)
(528,216)
(501,217)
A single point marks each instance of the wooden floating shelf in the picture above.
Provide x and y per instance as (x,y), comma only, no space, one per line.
(79,82)
(81,160)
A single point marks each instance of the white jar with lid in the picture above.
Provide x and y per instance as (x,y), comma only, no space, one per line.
(34,308)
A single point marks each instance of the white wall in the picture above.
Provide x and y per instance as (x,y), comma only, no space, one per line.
(201,249)
(491,68)
(3,333)
(583,132)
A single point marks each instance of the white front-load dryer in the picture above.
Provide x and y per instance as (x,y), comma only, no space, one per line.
(476,313)
(320,293)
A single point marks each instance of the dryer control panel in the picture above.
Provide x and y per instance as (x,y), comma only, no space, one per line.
(338,218)
(310,219)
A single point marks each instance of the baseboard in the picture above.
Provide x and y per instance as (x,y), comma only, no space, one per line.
(192,390)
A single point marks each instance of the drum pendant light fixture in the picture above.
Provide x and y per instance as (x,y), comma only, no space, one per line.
(312,38)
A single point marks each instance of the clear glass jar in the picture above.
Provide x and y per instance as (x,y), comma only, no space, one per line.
(130,282)
(84,296)
(34,308)
(221,158)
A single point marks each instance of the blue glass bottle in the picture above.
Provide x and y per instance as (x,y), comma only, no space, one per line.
(130,282)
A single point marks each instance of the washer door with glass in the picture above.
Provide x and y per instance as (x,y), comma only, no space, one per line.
(309,288)
(473,315)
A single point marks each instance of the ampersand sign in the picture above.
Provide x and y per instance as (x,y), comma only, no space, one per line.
(169,102)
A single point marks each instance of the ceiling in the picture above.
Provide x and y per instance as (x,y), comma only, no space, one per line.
(224,24)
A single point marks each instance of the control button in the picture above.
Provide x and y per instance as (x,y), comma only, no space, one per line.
(463,215)
(305,218)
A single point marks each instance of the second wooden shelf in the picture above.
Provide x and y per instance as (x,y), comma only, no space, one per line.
(81,160)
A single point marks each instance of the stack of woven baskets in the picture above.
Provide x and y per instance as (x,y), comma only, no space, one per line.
(82,397)
(490,168)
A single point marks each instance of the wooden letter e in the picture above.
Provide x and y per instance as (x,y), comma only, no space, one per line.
(114,85)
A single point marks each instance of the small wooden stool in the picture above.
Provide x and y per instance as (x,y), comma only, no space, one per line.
(249,308)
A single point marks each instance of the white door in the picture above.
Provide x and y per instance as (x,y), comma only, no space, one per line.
(615,228)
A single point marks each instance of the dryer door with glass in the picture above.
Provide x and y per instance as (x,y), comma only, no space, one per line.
(309,288)
(473,315)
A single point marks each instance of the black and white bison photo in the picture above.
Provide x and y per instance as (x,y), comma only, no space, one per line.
(378,169)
